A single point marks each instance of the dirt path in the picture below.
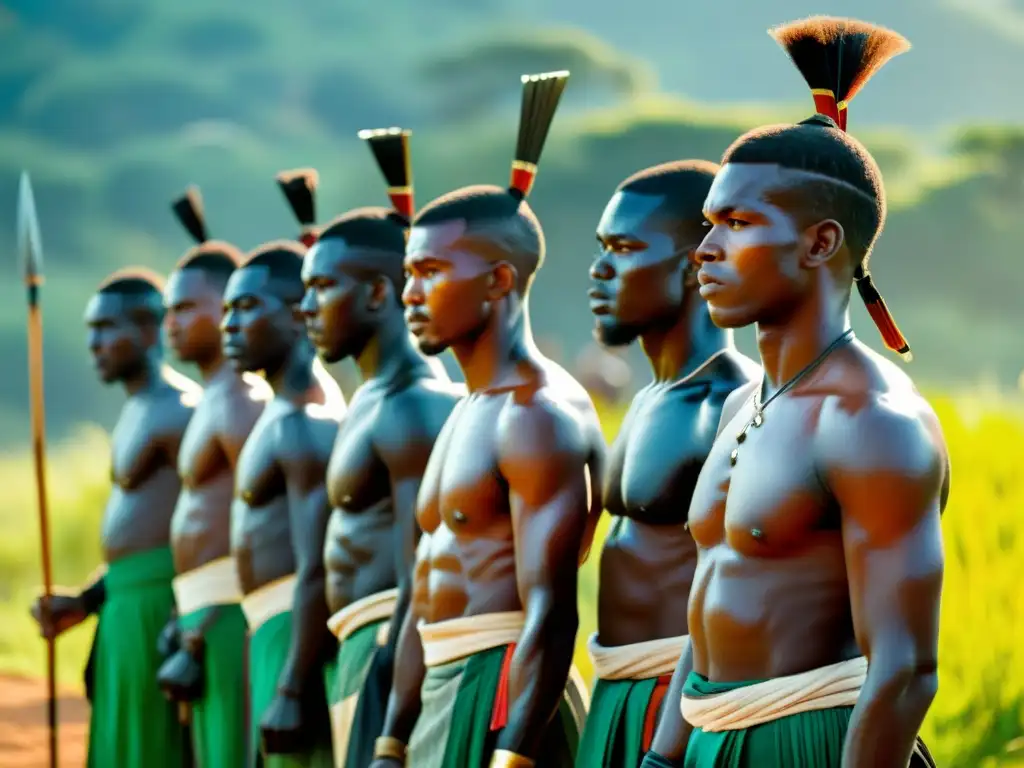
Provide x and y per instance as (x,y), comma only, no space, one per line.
(23,731)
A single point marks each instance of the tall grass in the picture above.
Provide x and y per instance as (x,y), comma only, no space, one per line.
(978,714)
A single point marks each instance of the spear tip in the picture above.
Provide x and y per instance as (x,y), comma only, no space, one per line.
(29,240)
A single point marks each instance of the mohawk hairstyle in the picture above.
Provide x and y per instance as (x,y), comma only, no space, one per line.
(215,258)
(684,184)
(283,261)
(390,147)
(299,188)
(379,229)
(189,210)
(503,215)
(141,288)
(836,57)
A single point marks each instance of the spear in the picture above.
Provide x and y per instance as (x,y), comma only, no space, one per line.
(31,250)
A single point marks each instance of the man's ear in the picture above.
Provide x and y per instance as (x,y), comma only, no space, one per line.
(502,281)
(824,240)
(380,293)
(690,270)
(150,330)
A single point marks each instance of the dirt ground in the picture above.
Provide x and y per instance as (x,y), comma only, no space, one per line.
(24,741)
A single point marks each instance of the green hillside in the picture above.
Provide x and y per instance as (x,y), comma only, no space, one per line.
(115,106)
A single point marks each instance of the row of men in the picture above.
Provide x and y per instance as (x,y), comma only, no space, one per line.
(394,582)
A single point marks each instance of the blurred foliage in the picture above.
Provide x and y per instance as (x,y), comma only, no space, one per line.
(115,106)
(980,706)
(473,79)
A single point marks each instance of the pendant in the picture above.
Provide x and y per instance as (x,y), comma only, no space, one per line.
(758,419)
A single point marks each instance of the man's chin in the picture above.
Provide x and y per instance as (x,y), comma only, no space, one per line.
(729,319)
(614,335)
(430,348)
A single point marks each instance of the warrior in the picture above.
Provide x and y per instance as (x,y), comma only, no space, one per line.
(814,610)
(354,277)
(644,286)
(280,511)
(506,503)
(208,671)
(132,724)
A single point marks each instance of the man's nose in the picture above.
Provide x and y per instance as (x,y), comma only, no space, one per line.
(602,268)
(308,304)
(229,324)
(708,250)
(412,292)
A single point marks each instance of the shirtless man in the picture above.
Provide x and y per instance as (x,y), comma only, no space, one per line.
(132,724)
(816,515)
(643,286)
(506,505)
(209,670)
(279,516)
(354,278)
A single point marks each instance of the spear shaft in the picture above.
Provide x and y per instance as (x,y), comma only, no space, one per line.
(30,247)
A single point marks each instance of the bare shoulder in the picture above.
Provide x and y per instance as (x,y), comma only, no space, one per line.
(173,407)
(253,387)
(554,417)
(733,379)
(303,436)
(733,400)
(235,405)
(876,428)
(417,411)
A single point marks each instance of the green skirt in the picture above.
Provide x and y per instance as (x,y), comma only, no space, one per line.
(616,730)
(806,740)
(268,650)
(218,718)
(132,725)
(454,726)
(358,683)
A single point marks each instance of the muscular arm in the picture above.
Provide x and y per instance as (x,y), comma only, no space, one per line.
(405,436)
(309,510)
(542,456)
(237,416)
(404,700)
(673,732)
(887,471)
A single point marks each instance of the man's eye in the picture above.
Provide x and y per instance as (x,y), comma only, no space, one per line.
(735,224)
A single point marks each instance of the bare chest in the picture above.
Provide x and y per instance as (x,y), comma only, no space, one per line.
(464,486)
(138,450)
(655,461)
(357,478)
(258,476)
(200,457)
(760,494)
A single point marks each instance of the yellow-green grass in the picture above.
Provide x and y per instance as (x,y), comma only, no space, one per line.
(979,711)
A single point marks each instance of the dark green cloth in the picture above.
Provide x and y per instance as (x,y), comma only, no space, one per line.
(806,740)
(462,736)
(268,650)
(613,734)
(132,725)
(362,669)
(218,717)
